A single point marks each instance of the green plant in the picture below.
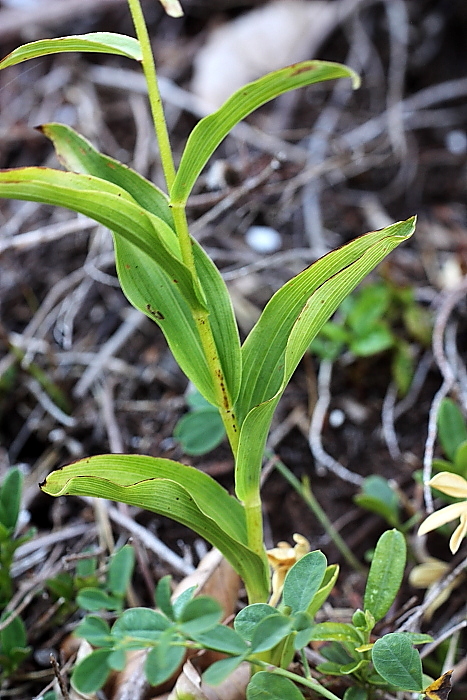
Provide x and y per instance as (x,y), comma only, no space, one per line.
(389,663)
(367,324)
(452,432)
(13,637)
(86,589)
(169,277)
(201,429)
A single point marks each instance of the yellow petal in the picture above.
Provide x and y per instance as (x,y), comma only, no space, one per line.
(458,534)
(429,572)
(443,516)
(302,546)
(450,484)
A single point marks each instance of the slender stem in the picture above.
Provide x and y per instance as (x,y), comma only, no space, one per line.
(160,124)
(308,682)
(304,490)
(254,523)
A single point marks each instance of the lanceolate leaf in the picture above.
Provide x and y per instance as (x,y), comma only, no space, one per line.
(96,42)
(211,130)
(288,324)
(386,572)
(139,276)
(77,154)
(152,276)
(168,488)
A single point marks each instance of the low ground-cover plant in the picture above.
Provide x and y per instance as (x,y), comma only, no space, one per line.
(13,637)
(378,317)
(166,274)
(452,433)
(388,664)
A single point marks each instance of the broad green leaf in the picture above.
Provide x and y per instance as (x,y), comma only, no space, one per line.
(200,431)
(335,632)
(151,273)
(222,638)
(91,673)
(138,275)
(378,339)
(249,618)
(303,581)
(386,572)
(378,497)
(220,670)
(164,659)
(94,630)
(78,155)
(117,659)
(398,662)
(10,498)
(210,131)
(348,669)
(355,693)
(163,596)
(13,636)
(269,632)
(269,686)
(121,570)
(288,324)
(452,428)
(182,600)
(95,599)
(330,577)
(199,615)
(171,489)
(95,42)
(140,624)
(369,307)
(460,459)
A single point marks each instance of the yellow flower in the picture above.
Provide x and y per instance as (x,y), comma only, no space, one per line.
(281,559)
(452,485)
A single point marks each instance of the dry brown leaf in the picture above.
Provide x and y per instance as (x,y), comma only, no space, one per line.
(189,684)
(214,577)
(270,37)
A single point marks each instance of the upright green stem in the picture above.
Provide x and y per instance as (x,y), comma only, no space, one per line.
(181,227)
(155,101)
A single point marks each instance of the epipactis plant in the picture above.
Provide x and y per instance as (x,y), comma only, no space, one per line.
(166,274)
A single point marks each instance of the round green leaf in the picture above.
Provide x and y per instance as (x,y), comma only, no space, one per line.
(200,431)
(303,581)
(200,615)
(141,624)
(396,660)
(268,686)
(163,660)
(270,632)
(220,670)
(249,618)
(92,672)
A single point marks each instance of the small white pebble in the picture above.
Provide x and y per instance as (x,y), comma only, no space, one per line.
(456,142)
(263,239)
(336,418)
